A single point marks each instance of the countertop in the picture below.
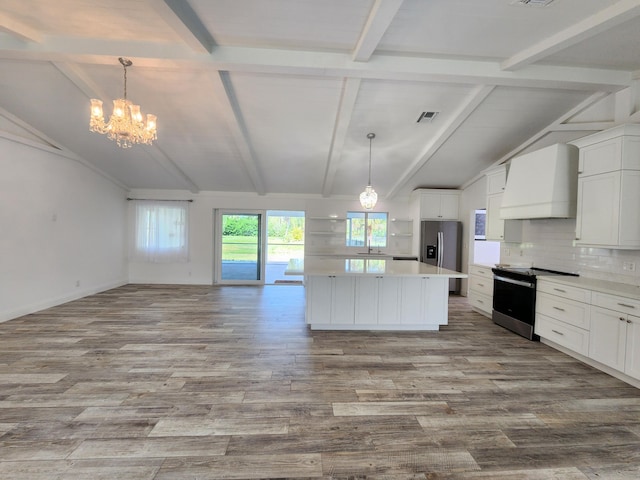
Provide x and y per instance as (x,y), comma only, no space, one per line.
(603,286)
(367,267)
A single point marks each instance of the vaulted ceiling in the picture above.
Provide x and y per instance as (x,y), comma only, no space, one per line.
(277,96)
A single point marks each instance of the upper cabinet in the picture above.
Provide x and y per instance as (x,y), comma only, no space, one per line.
(437,204)
(609,189)
(497,229)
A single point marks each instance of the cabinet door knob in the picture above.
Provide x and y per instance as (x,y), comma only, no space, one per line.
(629,321)
(622,319)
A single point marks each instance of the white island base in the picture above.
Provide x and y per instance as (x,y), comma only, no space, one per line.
(389,295)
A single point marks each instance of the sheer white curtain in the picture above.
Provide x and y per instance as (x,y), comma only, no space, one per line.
(161,231)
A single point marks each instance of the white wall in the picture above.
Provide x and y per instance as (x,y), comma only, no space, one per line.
(63,230)
(473,198)
(199,269)
(549,244)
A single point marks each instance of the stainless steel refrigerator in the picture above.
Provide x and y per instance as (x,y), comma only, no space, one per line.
(440,245)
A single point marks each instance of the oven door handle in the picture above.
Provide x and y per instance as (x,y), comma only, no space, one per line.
(516,282)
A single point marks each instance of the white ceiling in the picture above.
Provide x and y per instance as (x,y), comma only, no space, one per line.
(277,96)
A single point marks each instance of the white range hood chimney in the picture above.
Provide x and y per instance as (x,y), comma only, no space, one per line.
(542,184)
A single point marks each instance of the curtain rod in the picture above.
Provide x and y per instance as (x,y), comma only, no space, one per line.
(159,200)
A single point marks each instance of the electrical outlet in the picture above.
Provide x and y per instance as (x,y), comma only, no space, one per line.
(629,266)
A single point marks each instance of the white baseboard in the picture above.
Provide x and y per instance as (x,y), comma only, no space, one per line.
(52,302)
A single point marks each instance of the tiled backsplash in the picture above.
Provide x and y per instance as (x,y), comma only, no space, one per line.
(550,244)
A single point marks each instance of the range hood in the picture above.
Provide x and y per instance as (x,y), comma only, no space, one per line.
(542,184)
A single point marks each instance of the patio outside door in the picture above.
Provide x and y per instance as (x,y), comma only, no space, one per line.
(240,259)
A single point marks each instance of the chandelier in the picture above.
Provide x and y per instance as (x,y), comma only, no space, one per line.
(126,125)
(369,197)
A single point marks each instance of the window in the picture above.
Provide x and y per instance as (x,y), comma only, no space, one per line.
(161,231)
(480,226)
(373,235)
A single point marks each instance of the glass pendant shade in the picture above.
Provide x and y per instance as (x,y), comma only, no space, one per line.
(368,198)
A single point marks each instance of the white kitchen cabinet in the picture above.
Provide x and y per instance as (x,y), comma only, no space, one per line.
(602,328)
(437,204)
(616,340)
(377,300)
(563,316)
(609,189)
(332,297)
(608,337)
(632,354)
(421,300)
(497,229)
(496,180)
(481,289)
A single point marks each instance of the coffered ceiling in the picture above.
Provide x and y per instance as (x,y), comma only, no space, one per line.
(277,96)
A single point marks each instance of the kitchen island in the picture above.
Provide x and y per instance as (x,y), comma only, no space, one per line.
(374,293)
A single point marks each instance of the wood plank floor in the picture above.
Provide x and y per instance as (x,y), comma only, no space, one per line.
(193,382)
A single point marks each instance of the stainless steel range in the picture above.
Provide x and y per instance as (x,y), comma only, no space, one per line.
(514,298)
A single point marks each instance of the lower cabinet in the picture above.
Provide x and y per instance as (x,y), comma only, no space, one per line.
(481,289)
(598,326)
(332,299)
(377,300)
(380,302)
(615,327)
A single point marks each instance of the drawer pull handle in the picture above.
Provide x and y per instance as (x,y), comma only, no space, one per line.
(560,290)
(626,305)
(481,284)
(558,308)
(559,333)
(480,301)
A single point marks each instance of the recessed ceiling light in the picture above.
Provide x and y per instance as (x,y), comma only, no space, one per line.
(531,3)
(427,116)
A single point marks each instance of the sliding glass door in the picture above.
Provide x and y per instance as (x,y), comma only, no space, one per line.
(239,238)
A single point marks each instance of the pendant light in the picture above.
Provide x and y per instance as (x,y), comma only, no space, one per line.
(369,197)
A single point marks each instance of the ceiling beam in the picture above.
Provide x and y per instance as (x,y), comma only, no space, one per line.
(80,79)
(165,161)
(47,144)
(382,14)
(479,95)
(325,64)
(350,89)
(230,109)
(606,19)
(185,22)
(19,30)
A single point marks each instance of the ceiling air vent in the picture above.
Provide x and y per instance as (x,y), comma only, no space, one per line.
(531,3)
(427,116)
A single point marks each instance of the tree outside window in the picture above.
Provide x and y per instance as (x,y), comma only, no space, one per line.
(366,229)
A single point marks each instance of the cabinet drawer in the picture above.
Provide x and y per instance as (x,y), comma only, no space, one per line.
(568,336)
(481,285)
(481,302)
(481,271)
(564,291)
(565,310)
(614,302)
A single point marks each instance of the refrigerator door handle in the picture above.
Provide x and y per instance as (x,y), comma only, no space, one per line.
(440,248)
